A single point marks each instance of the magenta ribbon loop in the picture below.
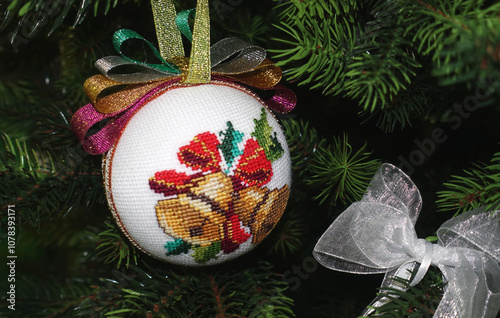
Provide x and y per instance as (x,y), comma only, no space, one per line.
(100,142)
(229,56)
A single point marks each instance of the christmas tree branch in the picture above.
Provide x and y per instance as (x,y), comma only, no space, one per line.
(374,59)
(42,186)
(479,186)
(38,13)
(341,172)
(149,291)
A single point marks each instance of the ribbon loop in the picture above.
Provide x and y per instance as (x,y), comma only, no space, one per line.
(199,60)
(169,37)
(377,235)
(115,92)
(182,22)
(249,56)
(109,67)
(120,36)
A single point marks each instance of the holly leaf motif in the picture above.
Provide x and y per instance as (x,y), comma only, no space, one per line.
(264,135)
(203,254)
(177,247)
(229,146)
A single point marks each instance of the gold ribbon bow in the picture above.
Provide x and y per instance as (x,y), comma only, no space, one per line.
(112,92)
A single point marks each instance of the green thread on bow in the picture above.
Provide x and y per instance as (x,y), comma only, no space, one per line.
(120,36)
(182,22)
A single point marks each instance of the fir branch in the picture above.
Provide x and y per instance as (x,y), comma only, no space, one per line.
(319,50)
(149,291)
(53,130)
(43,184)
(374,63)
(115,248)
(316,8)
(370,63)
(383,63)
(340,173)
(479,186)
(417,100)
(303,141)
(419,301)
(16,156)
(333,168)
(461,37)
(39,13)
(45,297)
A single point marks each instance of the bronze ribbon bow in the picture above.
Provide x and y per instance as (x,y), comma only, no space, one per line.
(115,95)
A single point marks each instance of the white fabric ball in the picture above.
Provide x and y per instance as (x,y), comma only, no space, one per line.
(199,175)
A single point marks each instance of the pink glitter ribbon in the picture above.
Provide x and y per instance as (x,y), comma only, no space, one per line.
(87,116)
(283,101)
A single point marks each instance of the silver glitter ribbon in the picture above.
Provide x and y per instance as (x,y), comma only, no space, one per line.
(228,56)
(377,235)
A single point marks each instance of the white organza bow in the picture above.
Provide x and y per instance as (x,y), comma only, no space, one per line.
(377,235)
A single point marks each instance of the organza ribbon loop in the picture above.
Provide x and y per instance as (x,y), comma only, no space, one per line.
(377,235)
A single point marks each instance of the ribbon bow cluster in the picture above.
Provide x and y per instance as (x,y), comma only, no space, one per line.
(230,60)
(377,235)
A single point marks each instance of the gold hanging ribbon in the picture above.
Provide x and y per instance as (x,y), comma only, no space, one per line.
(113,91)
(199,61)
(115,95)
(170,42)
(169,36)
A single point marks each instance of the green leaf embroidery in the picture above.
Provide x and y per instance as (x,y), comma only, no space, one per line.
(203,254)
(177,247)
(229,145)
(264,135)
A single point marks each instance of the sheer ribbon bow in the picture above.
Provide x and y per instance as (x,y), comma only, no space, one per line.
(377,235)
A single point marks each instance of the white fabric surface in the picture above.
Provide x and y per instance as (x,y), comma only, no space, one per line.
(150,143)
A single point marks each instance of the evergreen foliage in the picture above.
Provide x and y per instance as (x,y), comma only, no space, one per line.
(42,188)
(149,291)
(37,14)
(417,301)
(477,187)
(115,248)
(374,58)
(403,62)
(342,173)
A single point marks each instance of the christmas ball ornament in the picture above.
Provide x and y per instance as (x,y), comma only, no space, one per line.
(197,169)
(200,174)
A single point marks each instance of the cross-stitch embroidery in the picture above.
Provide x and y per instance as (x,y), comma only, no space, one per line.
(205,211)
